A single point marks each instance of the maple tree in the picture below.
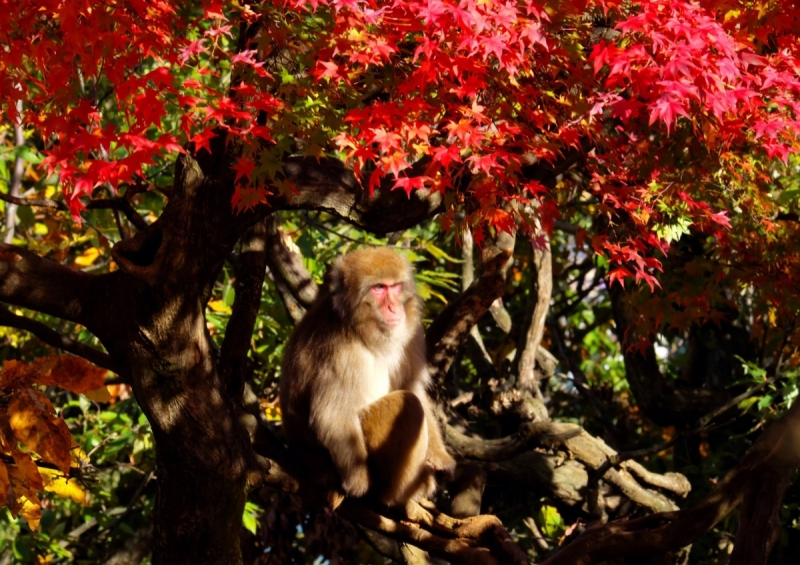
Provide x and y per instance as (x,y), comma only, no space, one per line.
(649,145)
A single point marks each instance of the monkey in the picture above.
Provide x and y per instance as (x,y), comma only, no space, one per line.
(353,385)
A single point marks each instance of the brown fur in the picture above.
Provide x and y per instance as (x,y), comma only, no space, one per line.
(353,389)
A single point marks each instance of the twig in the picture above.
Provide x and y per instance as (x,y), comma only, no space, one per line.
(122,204)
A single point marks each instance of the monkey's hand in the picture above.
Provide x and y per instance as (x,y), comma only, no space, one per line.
(442,462)
(356,481)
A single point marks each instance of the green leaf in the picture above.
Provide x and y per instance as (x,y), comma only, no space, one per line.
(440,254)
(765,401)
(550,521)
(249,517)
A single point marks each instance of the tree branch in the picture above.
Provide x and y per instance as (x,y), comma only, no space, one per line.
(55,339)
(484,360)
(655,395)
(450,329)
(33,282)
(286,266)
(769,463)
(326,184)
(16,176)
(541,289)
(479,540)
(120,204)
(250,271)
(506,456)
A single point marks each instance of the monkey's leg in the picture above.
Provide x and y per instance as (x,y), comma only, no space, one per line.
(396,435)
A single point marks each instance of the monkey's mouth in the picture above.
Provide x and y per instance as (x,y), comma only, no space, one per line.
(394,322)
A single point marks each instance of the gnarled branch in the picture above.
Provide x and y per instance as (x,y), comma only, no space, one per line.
(770,463)
(40,284)
(326,184)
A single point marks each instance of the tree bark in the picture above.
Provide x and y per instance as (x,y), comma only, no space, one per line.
(541,290)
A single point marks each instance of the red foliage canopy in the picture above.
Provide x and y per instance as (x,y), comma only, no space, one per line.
(676,109)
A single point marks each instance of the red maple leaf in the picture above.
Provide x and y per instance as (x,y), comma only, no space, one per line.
(244,167)
(202,139)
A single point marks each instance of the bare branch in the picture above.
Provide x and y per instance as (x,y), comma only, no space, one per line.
(121,204)
(326,184)
(450,329)
(250,271)
(55,339)
(480,540)
(483,360)
(591,452)
(286,264)
(541,289)
(529,435)
(655,395)
(16,176)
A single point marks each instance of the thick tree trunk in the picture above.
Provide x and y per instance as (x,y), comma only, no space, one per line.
(159,335)
(202,450)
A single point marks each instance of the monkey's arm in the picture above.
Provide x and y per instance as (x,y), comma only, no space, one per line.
(336,425)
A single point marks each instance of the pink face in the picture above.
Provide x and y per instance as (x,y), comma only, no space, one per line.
(389,304)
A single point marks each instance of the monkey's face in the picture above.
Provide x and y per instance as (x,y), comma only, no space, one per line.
(389,302)
(373,292)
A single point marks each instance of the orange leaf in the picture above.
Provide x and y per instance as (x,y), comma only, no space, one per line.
(23,480)
(72,373)
(5,482)
(24,474)
(33,420)
(66,371)
(16,374)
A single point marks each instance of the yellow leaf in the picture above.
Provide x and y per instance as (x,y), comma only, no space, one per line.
(87,257)
(57,483)
(99,395)
(219,306)
(31,510)
(272,410)
(78,455)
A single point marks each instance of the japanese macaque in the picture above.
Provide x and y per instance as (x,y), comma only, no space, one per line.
(353,385)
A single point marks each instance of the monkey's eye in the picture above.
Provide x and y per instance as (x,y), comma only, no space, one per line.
(383,290)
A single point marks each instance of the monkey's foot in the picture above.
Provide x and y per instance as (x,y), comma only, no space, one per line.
(416,513)
(426,514)
(335,499)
